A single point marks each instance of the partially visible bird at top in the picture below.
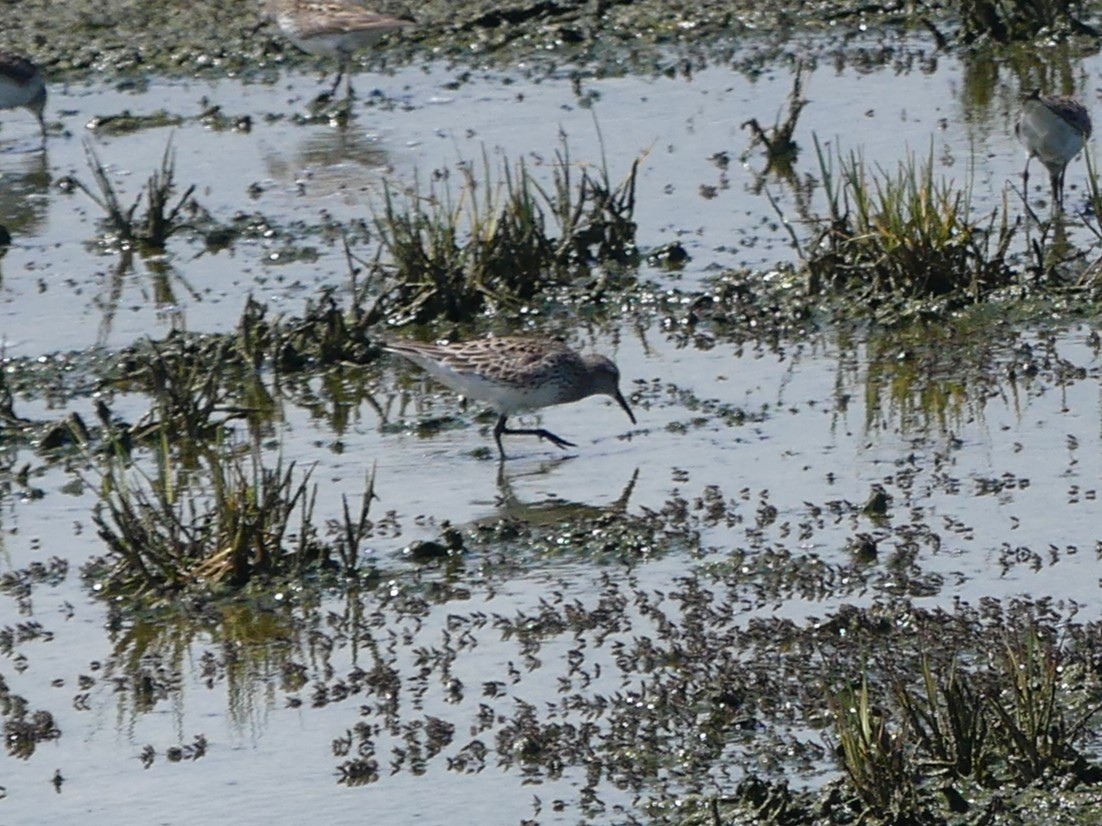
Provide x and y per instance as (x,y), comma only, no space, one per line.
(332,28)
(22,84)
(1054,130)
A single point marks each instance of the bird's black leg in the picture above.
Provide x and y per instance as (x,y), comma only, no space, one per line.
(340,76)
(1057,178)
(500,429)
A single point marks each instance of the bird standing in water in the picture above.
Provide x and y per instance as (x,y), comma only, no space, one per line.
(1053,130)
(512,374)
(333,28)
(22,84)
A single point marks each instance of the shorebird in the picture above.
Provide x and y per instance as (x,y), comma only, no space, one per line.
(333,28)
(1053,130)
(21,84)
(513,374)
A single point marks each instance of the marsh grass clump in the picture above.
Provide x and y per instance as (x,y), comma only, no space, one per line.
(161,219)
(874,752)
(906,235)
(226,519)
(780,146)
(503,238)
(200,386)
(222,522)
(965,726)
(946,714)
(1042,709)
(327,333)
(197,387)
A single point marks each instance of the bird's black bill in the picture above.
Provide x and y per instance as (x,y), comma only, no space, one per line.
(624,404)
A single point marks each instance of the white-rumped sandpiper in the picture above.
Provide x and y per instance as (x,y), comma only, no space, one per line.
(22,84)
(512,374)
(332,28)
(1053,130)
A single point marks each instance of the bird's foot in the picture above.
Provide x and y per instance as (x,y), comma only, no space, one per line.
(553,439)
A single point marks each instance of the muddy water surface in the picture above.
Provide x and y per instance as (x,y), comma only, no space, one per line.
(989,450)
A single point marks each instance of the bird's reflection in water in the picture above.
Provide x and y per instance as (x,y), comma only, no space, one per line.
(553,509)
(24,190)
(24,195)
(332,161)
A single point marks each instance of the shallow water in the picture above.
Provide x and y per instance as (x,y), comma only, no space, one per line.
(1002,473)
(58,296)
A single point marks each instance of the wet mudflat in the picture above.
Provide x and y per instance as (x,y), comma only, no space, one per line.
(626,631)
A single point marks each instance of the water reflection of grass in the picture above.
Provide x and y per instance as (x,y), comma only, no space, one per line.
(918,378)
(248,644)
(938,377)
